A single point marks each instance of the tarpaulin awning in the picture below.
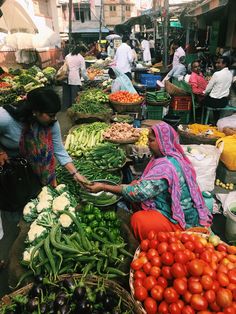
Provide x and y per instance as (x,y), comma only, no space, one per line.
(207,6)
(90,30)
(137,20)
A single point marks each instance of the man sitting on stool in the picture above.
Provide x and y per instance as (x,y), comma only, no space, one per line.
(218,88)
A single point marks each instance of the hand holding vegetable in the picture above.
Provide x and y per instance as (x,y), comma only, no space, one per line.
(81,179)
(95,187)
(3,158)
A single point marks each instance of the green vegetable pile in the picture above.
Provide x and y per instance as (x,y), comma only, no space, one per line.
(84,138)
(92,101)
(158,96)
(99,199)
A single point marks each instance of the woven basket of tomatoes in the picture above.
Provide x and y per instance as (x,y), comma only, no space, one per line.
(124,101)
(184,273)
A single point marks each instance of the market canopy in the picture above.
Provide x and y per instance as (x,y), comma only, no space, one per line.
(206,6)
(137,20)
(15,18)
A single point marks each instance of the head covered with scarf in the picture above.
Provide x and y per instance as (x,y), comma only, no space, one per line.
(162,168)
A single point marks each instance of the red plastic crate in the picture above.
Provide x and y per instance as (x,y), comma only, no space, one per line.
(181,103)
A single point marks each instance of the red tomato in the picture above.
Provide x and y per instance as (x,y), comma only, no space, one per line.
(204,312)
(157,292)
(142,254)
(174,308)
(170,295)
(207,270)
(156,261)
(140,293)
(222,269)
(215,286)
(229,310)
(189,245)
(180,285)
(206,282)
(231,249)
(152,235)
(150,306)
(231,258)
(149,282)
(214,307)
(144,245)
(210,296)
(232,286)
(166,272)
(206,256)
(155,271)
(161,281)
(162,236)
(195,287)
(195,267)
(172,239)
(139,274)
(153,244)
(198,247)
(222,279)
(167,258)
(147,267)
(138,283)
(162,247)
(143,259)
(224,297)
(180,304)
(198,302)
(187,310)
(173,248)
(181,257)
(187,296)
(151,253)
(163,308)
(221,247)
(232,275)
(136,264)
(184,237)
(178,270)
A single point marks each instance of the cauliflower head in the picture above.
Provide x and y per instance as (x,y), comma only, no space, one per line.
(35,231)
(65,220)
(60,203)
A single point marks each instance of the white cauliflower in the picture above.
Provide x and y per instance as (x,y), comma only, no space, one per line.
(27,254)
(65,220)
(60,203)
(43,205)
(29,211)
(28,208)
(45,195)
(35,231)
(60,188)
(71,209)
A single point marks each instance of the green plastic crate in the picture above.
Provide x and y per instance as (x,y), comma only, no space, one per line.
(184,115)
(154,112)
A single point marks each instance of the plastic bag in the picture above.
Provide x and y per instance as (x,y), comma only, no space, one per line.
(62,73)
(228,156)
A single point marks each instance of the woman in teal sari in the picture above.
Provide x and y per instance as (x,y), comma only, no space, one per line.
(120,81)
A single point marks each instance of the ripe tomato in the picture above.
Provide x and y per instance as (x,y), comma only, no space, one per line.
(189,245)
(188,310)
(170,295)
(214,307)
(198,247)
(178,270)
(155,271)
(136,264)
(152,235)
(156,261)
(231,249)
(195,287)
(162,247)
(231,258)
(229,310)
(147,267)
(184,237)
(174,308)
(138,283)
(221,247)
(166,272)
(195,267)
(163,308)
(149,282)
(224,297)
(161,281)
(150,306)
(198,302)
(215,286)
(162,236)
(222,269)
(187,296)
(207,270)
(171,239)
(181,257)
(153,244)
(232,275)
(180,285)
(167,258)
(151,253)
(180,304)
(144,245)
(210,296)
(173,248)
(206,282)
(140,293)
(139,274)
(222,279)
(157,292)
(206,256)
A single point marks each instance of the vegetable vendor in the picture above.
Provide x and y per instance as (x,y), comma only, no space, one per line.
(167,193)
(120,81)
(31,130)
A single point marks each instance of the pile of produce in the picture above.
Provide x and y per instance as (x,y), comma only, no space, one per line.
(159,96)
(143,138)
(205,130)
(86,295)
(122,118)
(125,97)
(93,72)
(85,137)
(181,272)
(91,101)
(63,240)
(101,198)
(122,132)
(227,186)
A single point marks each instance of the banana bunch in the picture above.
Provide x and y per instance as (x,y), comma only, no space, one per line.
(227,186)
(143,138)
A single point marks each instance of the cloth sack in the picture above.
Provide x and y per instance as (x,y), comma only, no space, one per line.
(228,156)
(205,159)
(18,184)
(62,73)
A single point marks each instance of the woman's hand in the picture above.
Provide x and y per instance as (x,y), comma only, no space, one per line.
(81,179)
(95,187)
(3,158)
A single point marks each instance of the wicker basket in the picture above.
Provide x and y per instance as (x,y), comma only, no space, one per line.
(126,107)
(190,138)
(124,141)
(88,117)
(174,90)
(90,281)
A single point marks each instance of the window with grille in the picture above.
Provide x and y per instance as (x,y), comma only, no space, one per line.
(82,12)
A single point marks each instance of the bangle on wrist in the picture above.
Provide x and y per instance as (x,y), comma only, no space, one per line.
(73,173)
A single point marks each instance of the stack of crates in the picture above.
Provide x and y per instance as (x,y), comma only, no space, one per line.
(181,106)
(154,112)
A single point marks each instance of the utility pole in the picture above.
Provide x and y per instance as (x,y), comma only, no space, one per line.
(100,21)
(166,33)
(70,22)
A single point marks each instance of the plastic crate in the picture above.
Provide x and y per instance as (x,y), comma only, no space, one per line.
(181,103)
(154,112)
(184,115)
(150,80)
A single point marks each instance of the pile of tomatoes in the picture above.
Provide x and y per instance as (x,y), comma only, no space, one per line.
(125,97)
(183,273)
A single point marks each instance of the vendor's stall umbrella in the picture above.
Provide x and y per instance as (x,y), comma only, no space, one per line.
(112,36)
(15,18)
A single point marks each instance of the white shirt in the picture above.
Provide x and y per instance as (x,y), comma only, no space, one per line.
(146,50)
(220,83)
(124,58)
(179,52)
(151,43)
(75,63)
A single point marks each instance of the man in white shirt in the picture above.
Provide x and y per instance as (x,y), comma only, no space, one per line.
(124,57)
(146,50)
(179,52)
(152,46)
